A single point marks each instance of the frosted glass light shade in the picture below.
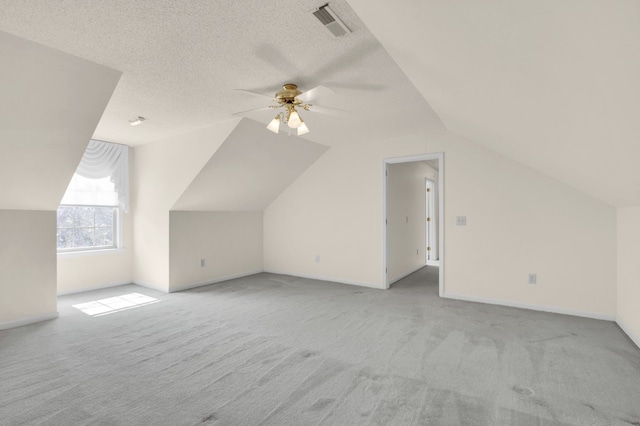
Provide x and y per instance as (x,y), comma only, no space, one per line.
(294,120)
(274,125)
(303,129)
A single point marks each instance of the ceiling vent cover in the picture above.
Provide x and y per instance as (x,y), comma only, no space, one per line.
(329,19)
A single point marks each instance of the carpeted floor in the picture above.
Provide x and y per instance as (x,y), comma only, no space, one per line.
(279,350)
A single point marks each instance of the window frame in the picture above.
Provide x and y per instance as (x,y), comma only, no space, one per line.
(116,231)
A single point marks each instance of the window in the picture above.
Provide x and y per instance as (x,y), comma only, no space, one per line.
(89,214)
(87,227)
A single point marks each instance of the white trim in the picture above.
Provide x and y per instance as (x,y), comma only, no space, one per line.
(29,320)
(385,173)
(331,279)
(627,330)
(149,286)
(95,252)
(95,287)
(406,275)
(542,308)
(441,255)
(433,263)
(213,281)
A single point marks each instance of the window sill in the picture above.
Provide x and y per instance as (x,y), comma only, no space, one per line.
(98,252)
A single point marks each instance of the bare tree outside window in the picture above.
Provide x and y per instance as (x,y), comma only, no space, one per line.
(86,227)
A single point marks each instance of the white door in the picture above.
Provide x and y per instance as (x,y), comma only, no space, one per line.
(432,236)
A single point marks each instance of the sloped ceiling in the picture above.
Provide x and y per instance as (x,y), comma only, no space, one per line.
(182,60)
(552,84)
(249,170)
(50,105)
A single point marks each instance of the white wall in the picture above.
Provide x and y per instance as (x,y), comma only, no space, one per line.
(51,103)
(519,221)
(406,216)
(161,173)
(628,312)
(102,268)
(230,243)
(97,269)
(27,266)
(334,210)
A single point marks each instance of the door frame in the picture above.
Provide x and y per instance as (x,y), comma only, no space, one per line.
(441,237)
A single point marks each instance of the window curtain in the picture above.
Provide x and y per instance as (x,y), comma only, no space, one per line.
(105,159)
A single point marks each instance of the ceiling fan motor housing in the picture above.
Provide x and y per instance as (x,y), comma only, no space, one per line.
(288,94)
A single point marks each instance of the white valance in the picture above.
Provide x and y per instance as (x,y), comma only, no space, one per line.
(105,159)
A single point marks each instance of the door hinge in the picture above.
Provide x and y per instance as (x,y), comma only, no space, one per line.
(386,222)
(385,270)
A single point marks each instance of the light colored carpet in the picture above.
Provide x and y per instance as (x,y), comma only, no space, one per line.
(278,350)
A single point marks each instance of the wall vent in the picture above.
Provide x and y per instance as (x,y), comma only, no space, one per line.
(330,20)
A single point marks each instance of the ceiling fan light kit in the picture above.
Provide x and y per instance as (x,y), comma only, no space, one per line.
(303,129)
(274,125)
(290,98)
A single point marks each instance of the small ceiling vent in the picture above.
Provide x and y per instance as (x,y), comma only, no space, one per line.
(330,20)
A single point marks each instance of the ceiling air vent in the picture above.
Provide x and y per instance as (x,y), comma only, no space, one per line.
(330,20)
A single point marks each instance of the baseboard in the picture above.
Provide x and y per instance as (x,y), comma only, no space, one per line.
(529,306)
(433,263)
(322,278)
(214,281)
(149,286)
(627,330)
(95,287)
(27,321)
(406,275)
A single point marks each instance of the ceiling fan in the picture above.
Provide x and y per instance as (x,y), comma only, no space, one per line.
(289,98)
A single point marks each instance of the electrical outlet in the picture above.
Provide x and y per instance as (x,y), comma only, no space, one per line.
(461,220)
(533,278)
(202,263)
(317,258)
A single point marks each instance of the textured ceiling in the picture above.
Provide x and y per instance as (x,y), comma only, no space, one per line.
(552,84)
(182,60)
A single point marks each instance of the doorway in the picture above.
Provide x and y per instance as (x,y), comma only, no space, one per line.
(409,182)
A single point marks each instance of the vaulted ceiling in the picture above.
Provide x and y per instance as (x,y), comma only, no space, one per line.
(183,60)
(50,104)
(551,84)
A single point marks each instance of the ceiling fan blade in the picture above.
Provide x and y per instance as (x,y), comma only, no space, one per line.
(252,110)
(315,93)
(270,97)
(357,86)
(327,110)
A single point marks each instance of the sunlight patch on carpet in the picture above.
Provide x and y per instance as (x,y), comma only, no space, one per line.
(112,305)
